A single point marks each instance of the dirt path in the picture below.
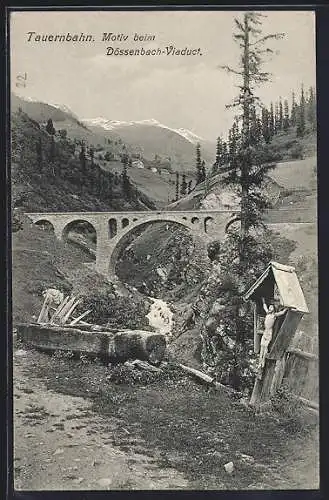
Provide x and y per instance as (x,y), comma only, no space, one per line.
(75,430)
(61,444)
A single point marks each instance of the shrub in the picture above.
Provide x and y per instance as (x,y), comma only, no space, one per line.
(296,152)
(116,311)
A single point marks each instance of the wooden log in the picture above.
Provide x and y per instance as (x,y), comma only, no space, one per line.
(207,379)
(58,310)
(44,311)
(307,402)
(200,375)
(144,365)
(303,354)
(117,346)
(70,311)
(77,320)
(65,309)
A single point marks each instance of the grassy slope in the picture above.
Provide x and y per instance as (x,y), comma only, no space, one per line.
(153,140)
(39,261)
(40,190)
(155,186)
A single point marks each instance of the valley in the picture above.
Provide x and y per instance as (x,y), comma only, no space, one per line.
(161,271)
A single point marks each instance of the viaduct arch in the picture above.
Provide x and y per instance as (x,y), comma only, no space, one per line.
(112,228)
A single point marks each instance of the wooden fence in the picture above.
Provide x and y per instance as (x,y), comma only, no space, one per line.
(302,369)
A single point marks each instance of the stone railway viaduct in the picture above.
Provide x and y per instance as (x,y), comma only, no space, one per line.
(113,228)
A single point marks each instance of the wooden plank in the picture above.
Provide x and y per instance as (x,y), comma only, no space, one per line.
(268,372)
(200,375)
(303,354)
(207,379)
(285,334)
(255,396)
(76,320)
(70,311)
(279,370)
(58,310)
(65,309)
(44,310)
(144,365)
(302,376)
(307,402)
(256,334)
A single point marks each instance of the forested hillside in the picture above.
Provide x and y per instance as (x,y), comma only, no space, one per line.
(51,172)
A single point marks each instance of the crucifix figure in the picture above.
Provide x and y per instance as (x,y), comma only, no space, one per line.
(269,321)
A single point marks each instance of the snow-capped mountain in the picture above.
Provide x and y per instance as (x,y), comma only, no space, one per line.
(148,138)
(113,124)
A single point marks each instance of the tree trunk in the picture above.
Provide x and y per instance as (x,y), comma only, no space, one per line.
(245,135)
(115,345)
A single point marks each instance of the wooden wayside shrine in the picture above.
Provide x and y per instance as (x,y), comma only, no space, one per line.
(278,285)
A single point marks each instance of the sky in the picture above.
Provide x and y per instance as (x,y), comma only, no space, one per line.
(179,91)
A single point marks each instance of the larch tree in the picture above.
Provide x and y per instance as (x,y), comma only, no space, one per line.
(245,251)
(251,165)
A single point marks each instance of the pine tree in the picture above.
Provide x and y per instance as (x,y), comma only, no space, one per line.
(50,127)
(271,125)
(189,187)
(52,152)
(91,154)
(177,186)
(276,118)
(300,131)
(255,128)
(311,108)
(183,187)
(203,171)
(198,164)
(280,115)
(126,186)
(82,158)
(219,154)
(265,125)
(224,153)
(294,108)
(286,119)
(250,168)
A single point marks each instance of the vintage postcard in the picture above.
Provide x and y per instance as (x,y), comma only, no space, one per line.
(164,250)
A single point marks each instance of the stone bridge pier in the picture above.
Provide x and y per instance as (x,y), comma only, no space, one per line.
(113,228)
